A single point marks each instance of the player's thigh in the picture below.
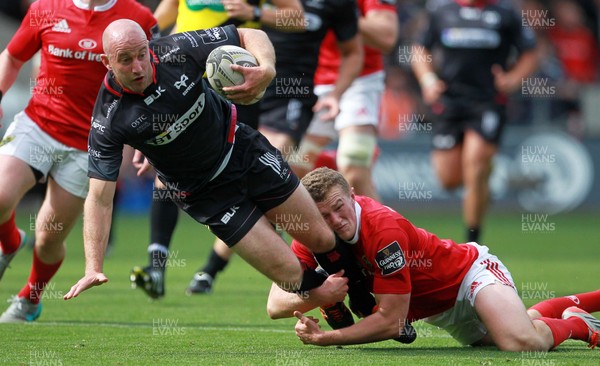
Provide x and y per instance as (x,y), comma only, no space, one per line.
(57,215)
(505,317)
(299,217)
(477,151)
(447,164)
(267,252)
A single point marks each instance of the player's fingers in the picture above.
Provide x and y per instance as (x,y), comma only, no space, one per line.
(338,274)
(300,316)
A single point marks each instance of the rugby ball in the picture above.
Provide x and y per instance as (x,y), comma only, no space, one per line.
(219,72)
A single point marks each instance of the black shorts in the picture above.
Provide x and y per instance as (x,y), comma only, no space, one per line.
(248,114)
(452,117)
(255,180)
(287,115)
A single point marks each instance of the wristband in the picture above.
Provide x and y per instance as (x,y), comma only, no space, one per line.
(428,79)
(257,14)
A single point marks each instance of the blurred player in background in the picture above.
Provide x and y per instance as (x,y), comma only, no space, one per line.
(359,112)
(48,140)
(461,288)
(187,17)
(466,89)
(226,174)
(287,107)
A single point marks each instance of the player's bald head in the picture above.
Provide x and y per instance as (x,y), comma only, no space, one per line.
(122,33)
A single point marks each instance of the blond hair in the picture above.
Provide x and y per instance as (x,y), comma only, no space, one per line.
(320,181)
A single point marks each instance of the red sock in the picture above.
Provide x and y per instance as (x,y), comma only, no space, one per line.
(563,329)
(553,308)
(40,275)
(10,239)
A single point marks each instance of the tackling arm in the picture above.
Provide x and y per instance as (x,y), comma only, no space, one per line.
(386,323)
(282,304)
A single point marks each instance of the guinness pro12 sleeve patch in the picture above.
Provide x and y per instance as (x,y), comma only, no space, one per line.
(390,259)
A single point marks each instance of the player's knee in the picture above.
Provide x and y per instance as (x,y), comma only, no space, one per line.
(519,342)
(356,149)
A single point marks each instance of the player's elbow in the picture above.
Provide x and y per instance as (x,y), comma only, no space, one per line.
(275,311)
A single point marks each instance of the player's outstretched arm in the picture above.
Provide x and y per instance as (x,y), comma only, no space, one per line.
(386,323)
(96,228)
(282,304)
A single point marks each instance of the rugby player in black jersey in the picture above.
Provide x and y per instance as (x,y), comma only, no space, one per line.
(468,92)
(226,174)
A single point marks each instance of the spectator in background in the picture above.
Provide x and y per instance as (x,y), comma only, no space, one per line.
(578,51)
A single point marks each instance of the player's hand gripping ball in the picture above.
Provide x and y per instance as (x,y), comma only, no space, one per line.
(219,72)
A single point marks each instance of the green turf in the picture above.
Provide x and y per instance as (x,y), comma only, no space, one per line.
(115,325)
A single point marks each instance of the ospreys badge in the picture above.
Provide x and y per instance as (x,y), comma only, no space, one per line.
(390,259)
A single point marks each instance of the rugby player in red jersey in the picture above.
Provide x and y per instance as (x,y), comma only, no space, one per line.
(461,288)
(48,140)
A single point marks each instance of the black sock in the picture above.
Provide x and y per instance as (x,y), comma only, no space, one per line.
(472,234)
(163,219)
(341,257)
(215,264)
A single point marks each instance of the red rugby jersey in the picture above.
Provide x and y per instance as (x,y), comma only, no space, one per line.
(71,72)
(400,258)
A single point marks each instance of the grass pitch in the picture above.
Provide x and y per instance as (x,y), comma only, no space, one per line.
(115,325)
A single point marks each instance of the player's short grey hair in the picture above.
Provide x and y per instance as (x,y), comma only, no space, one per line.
(320,181)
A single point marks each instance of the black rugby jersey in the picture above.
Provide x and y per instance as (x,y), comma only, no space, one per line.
(297,53)
(179,123)
(472,39)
